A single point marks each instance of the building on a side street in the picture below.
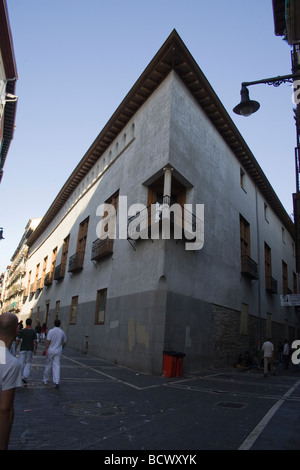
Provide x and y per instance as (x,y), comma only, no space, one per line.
(13,287)
(8,77)
(167,236)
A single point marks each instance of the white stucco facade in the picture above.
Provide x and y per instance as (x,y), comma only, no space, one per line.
(161,296)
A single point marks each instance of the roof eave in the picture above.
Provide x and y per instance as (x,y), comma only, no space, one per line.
(173,55)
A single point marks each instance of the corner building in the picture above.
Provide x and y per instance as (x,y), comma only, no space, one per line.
(128,300)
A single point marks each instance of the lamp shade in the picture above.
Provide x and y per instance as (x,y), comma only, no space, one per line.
(246,106)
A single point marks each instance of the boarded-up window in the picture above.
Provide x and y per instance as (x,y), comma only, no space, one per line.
(100,307)
(73,311)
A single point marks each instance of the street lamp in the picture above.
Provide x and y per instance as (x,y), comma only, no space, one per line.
(247,107)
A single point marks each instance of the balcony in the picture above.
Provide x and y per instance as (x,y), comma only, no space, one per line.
(76,262)
(48,279)
(32,288)
(249,267)
(59,272)
(102,248)
(271,284)
(180,223)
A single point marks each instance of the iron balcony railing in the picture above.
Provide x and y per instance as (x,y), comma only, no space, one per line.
(76,262)
(271,284)
(102,248)
(48,279)
(181,221)
(249,267)
(59,272)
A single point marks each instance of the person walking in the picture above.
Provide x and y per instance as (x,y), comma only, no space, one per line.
(27,338)
(43,332)
(286,354)
(56,341)
(10,376)
(268,351)
(38,330)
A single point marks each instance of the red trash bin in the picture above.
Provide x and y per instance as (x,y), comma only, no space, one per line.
(169,364)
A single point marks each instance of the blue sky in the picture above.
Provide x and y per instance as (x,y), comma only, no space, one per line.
(77,59)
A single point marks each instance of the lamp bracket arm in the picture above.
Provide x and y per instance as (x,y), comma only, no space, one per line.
(275,81)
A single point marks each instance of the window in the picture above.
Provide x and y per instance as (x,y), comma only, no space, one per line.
(266,212)
(271,284)
(109,228)
(248,266)
(100,307)
(54,253)
(103,246)
(61,268)
(73,311)
(157,197)
(36,279)
(28,284)
(76,260)
(243,179)
(268,266)
(64,254)
(285,289)
(295,284)
(244,320)
(245,236)
(44,270)
(82,236)
(57,305)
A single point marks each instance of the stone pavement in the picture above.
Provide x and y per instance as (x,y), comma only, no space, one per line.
(107,407)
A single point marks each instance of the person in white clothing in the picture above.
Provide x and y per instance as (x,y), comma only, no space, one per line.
(56,341)
(10,376)
(268,350)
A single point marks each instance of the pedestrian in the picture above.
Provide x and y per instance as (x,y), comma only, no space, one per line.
(268,351)
(38,329)
(10,376)
(56,341)
(43,332)
(27,338)
(286,354)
